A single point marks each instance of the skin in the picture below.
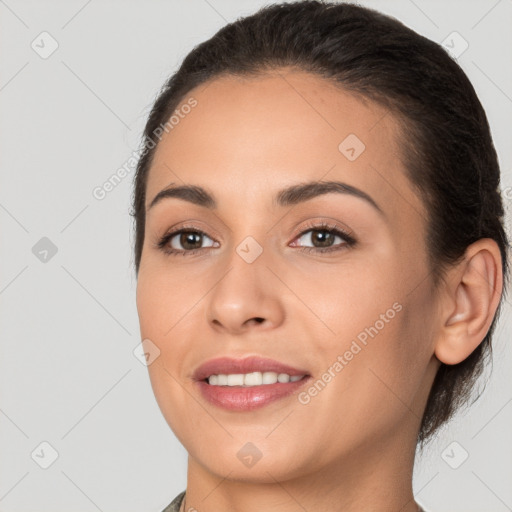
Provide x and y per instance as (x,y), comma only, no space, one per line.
(351,447)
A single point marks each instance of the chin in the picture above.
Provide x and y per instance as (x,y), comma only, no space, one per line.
(257,461)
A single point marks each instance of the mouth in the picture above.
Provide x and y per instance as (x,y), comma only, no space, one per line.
(251,379)
(247,384)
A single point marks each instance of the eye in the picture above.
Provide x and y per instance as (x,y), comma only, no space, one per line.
(184,241)
(323,237)
(187,241)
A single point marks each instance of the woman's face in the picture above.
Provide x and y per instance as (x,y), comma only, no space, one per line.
(357,319)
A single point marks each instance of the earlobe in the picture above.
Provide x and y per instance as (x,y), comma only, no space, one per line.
(473,293)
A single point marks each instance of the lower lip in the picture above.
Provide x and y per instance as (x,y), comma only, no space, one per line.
(238,398)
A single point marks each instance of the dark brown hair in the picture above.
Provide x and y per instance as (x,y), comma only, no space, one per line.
(446,145)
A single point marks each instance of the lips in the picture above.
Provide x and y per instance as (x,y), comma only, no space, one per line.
(227,365)
(241,398)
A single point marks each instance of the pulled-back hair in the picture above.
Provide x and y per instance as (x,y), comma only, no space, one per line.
(445,142)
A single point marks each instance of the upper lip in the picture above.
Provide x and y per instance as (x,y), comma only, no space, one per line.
(228,365)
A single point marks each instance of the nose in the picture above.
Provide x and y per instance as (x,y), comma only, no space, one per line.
(246,297)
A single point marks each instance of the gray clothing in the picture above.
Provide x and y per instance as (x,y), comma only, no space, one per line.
(175,505)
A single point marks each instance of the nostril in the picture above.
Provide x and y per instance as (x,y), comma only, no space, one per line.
(256,319)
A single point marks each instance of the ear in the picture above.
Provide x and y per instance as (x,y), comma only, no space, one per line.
(473,292)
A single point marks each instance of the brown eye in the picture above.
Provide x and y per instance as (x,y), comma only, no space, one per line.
(188,240)
(321,237)
(184,241)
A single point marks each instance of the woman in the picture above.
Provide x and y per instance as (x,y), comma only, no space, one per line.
(320,256)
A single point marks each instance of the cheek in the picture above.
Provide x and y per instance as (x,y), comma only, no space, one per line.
(366,389)
(163,298)
(168,304)
(371,347)
(343,299)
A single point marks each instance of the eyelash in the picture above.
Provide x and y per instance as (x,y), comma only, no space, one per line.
(350,241)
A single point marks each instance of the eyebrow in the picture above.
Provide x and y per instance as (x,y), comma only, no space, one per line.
(289,196)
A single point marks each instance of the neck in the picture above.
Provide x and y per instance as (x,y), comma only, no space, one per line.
(377,477)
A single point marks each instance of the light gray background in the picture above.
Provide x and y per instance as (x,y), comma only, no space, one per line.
(69,325)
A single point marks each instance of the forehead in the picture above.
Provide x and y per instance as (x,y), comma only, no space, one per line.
(247,135)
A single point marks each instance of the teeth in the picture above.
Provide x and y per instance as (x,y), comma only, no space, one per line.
(269,377)
(236,379)
(251,379)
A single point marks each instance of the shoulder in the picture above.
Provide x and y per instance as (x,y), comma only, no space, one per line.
(175,504)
